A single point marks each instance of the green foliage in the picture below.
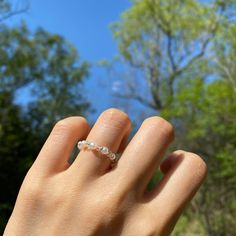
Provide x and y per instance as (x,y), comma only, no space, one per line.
(48,65)
(186,54)
(19,145)
(204,115)
(4,7)
(167,40)
(185,227)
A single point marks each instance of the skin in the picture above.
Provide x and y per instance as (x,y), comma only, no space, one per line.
(89,197)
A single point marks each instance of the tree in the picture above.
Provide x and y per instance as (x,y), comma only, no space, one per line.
(46,64)
(183,55)
(19,145)
(205,114)
(158,38)
(7,11)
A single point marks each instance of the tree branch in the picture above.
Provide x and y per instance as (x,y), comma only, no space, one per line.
(227,73)
(138,98)
(212,29)
(169,50)
(14,13)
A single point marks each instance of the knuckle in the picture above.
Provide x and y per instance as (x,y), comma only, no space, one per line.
(159,123)
(147,228)
(114,111)
(195,163)
(110,204)
(62,126)
(32,192)
(115,117)
(179,152)
(41,194)
(68,125)
(148,231)
(199,164)
(99,208)
(107,205)
(57,198)
(81,121)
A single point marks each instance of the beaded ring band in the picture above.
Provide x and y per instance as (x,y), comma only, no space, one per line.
(84,144)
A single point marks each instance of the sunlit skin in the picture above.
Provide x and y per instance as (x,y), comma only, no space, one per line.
(90,198)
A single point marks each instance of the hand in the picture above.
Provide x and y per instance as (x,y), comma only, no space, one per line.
(89,197)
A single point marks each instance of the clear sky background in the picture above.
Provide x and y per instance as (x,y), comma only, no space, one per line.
(86,24)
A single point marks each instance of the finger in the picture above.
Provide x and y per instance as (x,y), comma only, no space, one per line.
(183,175)
(111,128)
(143,154)
(57,149)
(124,141)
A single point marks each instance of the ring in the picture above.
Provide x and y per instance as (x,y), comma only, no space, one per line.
(87,145)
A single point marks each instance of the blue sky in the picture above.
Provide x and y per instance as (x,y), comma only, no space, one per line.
(86,24)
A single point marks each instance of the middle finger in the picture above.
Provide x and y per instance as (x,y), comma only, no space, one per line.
(143,154)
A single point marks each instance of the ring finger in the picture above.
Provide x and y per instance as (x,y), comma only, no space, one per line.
(110,130)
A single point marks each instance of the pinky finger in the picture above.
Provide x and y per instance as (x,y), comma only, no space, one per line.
(183,174)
